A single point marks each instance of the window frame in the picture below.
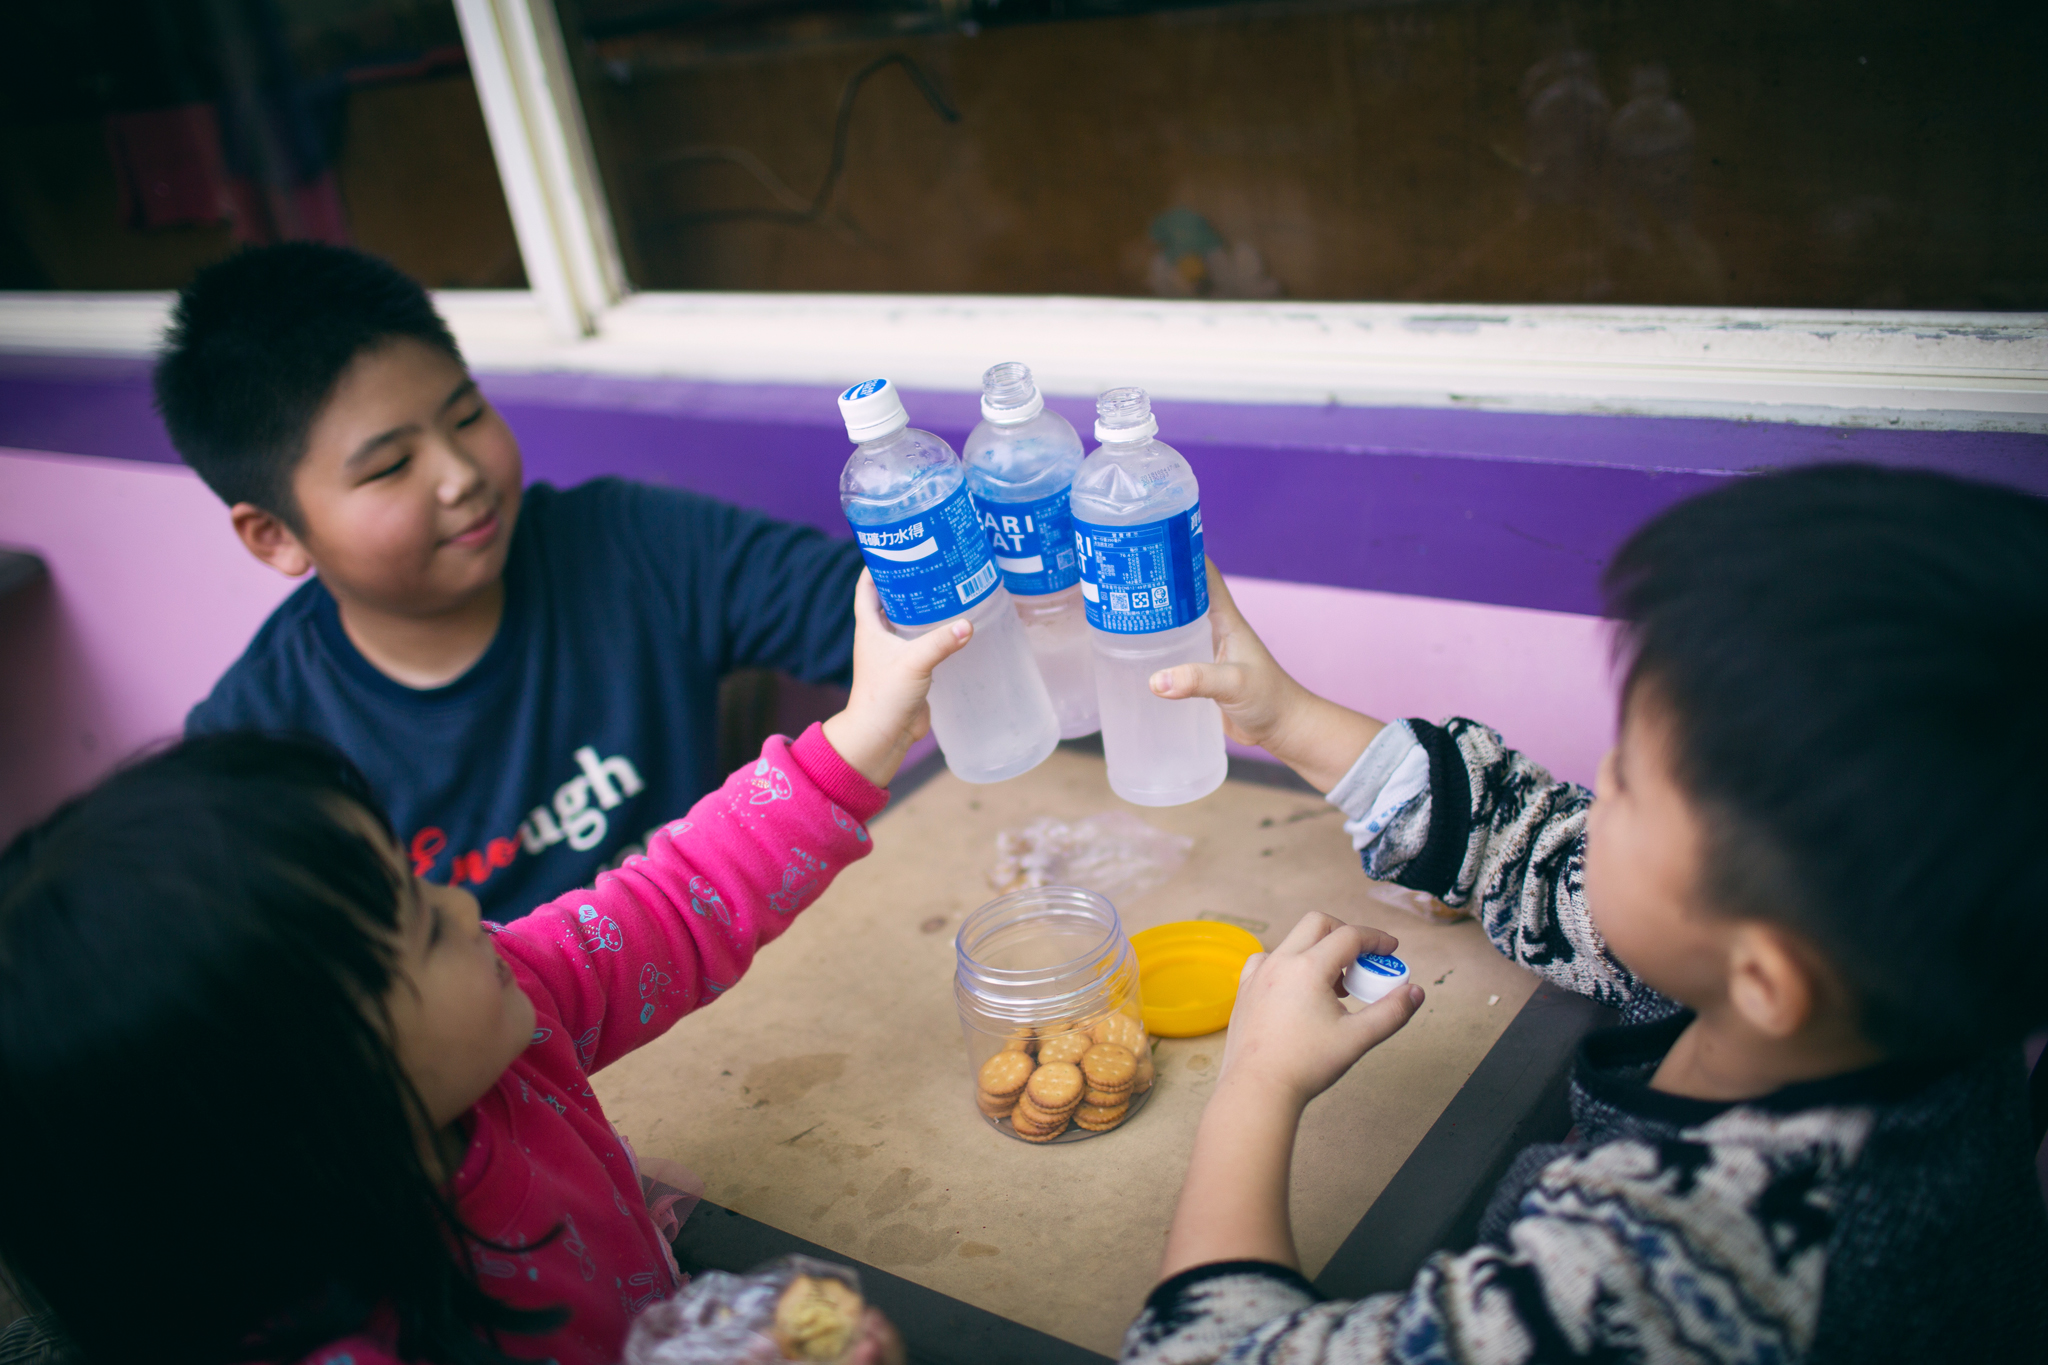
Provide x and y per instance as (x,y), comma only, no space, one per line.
(1967,371)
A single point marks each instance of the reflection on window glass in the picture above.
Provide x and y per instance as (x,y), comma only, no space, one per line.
(1825,153)
(145,138)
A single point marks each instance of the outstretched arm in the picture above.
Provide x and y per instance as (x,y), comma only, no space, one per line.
(1460,815)
(673,928)
(1627,1250)
(1448,809)
(1290,1039)
(669,931)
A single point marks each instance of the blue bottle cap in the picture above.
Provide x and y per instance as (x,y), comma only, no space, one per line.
(1374,976)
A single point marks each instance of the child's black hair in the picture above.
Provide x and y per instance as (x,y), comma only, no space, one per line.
(1855,664)
(209,1152)
(256,344)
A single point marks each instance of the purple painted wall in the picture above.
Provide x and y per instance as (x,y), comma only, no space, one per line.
(1513,509)
(150,596)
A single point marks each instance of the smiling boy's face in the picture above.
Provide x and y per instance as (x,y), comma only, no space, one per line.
(409,488)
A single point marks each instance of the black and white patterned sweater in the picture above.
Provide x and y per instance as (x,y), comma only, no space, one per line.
(1890,1214)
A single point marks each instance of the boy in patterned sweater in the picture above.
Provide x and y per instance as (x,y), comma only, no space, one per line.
(1811,877)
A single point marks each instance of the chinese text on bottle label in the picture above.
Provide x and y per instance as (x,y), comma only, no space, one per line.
(1141,579)
(931,566)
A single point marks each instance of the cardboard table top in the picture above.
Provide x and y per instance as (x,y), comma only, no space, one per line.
(828,1093)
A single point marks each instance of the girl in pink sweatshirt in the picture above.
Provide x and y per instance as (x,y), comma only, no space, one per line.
(362,1117)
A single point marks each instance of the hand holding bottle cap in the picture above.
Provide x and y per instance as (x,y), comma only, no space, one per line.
(1374,976)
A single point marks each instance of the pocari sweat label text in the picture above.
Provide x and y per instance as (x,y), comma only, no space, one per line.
(1033,543)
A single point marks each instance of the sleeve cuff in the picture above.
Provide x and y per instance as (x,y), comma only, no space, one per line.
(1435,869)
(1393,770)
(1169,1291)
(860,798)
(1206,1311)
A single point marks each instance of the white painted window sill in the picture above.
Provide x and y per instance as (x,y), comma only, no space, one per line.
(1926,370)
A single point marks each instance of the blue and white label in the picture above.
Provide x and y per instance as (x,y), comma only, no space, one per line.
(1033,543)
(1374,976)
(931,566)
(1141,579)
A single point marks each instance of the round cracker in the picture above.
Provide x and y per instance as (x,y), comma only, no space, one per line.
(1004,1074)
(1056,1087)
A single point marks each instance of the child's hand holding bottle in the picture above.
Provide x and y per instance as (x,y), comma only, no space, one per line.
(1262,705)
(886,712)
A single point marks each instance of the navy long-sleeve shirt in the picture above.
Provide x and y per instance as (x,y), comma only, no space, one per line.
(592,716)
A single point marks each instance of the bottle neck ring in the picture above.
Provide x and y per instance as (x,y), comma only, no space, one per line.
(1144,431)
(1010,417)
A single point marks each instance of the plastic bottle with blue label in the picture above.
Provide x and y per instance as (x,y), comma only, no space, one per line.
(1138,526)
(905,496)
(1020,461)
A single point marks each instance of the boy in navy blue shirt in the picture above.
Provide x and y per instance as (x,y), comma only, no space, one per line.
(529,676)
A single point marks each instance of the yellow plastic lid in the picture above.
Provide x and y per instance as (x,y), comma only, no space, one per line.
(1187,975)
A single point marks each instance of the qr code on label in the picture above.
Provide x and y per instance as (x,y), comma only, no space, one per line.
(1119,601)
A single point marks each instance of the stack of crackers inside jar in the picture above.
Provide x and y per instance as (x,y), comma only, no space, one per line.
(1048,1078)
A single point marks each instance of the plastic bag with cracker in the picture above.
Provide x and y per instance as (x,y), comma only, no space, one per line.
(792,1309)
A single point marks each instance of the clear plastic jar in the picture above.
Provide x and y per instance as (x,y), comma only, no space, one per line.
(1047,988)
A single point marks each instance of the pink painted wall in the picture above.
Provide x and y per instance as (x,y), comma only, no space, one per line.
(150,597)
(1539,677)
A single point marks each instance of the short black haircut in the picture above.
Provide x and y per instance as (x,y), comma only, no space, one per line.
(256,344)
(1854,662)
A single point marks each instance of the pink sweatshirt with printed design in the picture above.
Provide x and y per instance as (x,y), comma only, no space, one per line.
(610,969)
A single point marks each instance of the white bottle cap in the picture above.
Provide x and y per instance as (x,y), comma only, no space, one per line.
(871,409)
(1373,976)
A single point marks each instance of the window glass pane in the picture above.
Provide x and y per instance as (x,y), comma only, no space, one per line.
(1828,153)
(144,138)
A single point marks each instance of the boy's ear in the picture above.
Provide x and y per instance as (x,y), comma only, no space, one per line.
(269,539)
(1773,981)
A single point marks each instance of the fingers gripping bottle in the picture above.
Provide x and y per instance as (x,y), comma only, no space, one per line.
(1138,527)
(906,498)
(1020,461)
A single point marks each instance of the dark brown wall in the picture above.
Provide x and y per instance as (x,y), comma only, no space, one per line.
(1870,155)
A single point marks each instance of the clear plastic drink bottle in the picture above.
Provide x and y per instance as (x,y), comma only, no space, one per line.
(1138,527)
(1020,461)
(906,498)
